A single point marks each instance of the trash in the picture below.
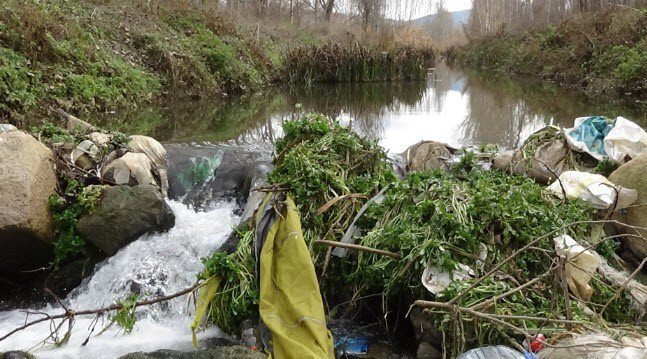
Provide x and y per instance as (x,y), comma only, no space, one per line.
(351,346)
(580,266)
(436,280)
(598,346)
(588,135)
(593,188)
(497,352)
(544,156)
(536,345)
(604,138)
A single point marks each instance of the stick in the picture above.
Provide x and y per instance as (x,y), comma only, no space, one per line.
(359,248)
(117,306)
(624,286)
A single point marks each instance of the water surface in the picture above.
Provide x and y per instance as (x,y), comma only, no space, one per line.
(456,107)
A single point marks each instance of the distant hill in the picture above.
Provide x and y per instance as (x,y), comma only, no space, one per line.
(458,17)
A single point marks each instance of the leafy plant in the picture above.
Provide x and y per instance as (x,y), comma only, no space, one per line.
(125,316)
(68,209)
(237,297)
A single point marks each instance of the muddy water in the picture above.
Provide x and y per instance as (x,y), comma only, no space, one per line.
(457,107)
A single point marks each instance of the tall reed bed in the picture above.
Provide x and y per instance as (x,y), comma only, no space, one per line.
(336,63)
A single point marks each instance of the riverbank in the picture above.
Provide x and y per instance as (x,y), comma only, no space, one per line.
(89,58)
(601,53)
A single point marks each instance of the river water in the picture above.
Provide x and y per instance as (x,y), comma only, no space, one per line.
(456,107)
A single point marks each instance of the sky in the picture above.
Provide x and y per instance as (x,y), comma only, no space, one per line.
(430,7)
(458,5)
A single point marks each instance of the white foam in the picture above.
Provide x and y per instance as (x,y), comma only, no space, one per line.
(158,264)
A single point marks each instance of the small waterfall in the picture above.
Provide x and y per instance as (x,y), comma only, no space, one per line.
(154,265)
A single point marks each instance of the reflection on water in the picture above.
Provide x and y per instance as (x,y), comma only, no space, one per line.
(459,108)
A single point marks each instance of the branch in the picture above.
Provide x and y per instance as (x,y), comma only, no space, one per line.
(359,248)
(71,313)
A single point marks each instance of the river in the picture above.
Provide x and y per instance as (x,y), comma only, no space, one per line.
(461,108)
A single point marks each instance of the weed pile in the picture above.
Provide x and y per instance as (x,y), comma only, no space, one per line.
(441,219)
(335,63)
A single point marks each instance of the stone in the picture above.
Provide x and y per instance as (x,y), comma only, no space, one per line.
(424,326)
(6,128)
(27,179)
(124,214)
(100,139)
(130,169)
(502,160)
(426,155)
(226,352)
(428,351)
(632,175)
(14,354)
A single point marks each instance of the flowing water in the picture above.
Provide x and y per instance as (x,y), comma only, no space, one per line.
(155,265)
(461,109)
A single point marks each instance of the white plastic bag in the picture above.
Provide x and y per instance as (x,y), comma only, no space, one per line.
(580,265)
(592,188)
(625,139)
(436,280)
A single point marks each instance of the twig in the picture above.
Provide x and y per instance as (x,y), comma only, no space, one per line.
(71,313)
(530,244)
(510,292)
(623,287)
(359,248)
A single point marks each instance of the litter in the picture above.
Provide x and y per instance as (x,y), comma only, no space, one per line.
(436,280)
(497,352)
(351,346)
(580,265)
(593,188)
(604,138)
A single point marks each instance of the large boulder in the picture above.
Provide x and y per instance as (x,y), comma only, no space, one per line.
(124,214)
(427,155)
(27,179)
(632,175)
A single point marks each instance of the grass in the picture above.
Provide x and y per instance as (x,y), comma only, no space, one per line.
(600,53)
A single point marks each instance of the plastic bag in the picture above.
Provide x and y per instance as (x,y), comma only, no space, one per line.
(593,188)
(497,352)
(580,266)
(588,135)
(603,138)
(625,139)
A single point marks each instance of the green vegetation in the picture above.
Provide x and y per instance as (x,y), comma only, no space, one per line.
(75,202)
(125,316)
(335,63)
(237,297)
(600,53)
(440,219)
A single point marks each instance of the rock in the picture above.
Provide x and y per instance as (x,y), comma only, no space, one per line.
(632,175)
(6,128)
(27,179)
(424,326)
(100,139)
(552,154)
(84,154)
(426,155)
(157,155)
(428,351)
(69,276)
(124,214)
(130,169)
(17,355)
(228,352)
(502,160)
